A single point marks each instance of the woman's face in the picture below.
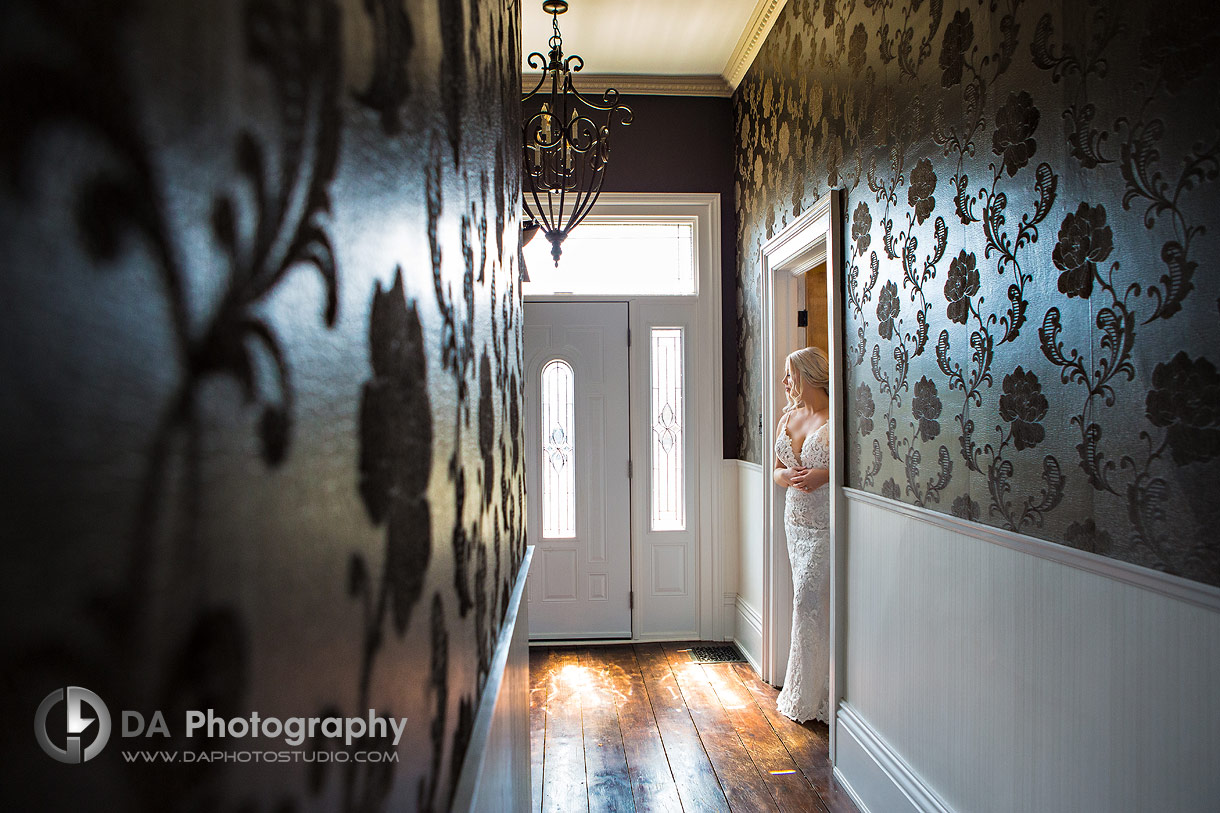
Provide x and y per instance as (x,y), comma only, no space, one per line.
(789,380)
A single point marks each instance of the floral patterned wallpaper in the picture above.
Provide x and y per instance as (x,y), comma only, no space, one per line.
(262,384)
(1031,194)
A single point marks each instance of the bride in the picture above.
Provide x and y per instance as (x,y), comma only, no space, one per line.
(802,466)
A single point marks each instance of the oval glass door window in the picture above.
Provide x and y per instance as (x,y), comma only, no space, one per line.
(558,451)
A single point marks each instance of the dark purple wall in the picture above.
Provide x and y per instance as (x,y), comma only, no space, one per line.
(685,144)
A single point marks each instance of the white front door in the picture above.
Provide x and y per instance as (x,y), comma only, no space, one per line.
(577,457)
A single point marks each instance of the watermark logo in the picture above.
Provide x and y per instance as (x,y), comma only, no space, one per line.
(344,739)
(78,724)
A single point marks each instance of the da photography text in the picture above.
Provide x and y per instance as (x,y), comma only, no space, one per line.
(85,728)
(293,730)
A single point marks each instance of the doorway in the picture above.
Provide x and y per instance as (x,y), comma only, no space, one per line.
(810,245)
(656,258)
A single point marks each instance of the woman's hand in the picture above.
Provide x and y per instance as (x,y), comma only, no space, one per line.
(785,476)
(799,479)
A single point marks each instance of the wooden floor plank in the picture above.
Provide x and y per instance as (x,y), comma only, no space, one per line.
(789,787)
(806,742)
(605,761)
(539,687)
(642,727)
(564,786)
(652,783)
(743,784)
(698,787)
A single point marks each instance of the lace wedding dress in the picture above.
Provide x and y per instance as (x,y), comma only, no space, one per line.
(806,525)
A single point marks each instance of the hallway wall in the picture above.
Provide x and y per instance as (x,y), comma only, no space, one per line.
(1008,680)
(1031,190)
(1031,193)
(261,384)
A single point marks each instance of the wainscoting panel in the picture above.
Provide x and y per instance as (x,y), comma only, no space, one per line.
(496,772)
(885,781)
(730,545)
(748,634)
(1008,681)
(748,607)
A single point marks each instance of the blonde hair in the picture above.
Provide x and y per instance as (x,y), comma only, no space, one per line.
(808,365)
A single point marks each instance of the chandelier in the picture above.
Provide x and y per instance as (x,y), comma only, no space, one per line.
(565,150)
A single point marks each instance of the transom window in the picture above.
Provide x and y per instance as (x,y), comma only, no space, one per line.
(635,258)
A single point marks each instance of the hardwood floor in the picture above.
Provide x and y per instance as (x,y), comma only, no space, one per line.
(642,727)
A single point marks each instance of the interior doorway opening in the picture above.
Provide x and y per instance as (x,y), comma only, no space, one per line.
(802,298)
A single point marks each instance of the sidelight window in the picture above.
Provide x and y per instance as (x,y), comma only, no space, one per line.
(668,431)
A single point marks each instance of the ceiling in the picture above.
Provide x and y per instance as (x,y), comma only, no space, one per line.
(704,43)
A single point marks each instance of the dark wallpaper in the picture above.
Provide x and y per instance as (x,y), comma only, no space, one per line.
(1031,315)
(261,383)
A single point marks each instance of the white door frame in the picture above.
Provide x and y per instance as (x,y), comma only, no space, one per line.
(705,616)
(814,237)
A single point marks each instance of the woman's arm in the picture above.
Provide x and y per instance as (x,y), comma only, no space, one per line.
(782,475)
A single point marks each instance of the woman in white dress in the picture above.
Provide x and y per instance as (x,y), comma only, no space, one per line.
(802,466)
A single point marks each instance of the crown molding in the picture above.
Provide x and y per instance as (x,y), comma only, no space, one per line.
(762,19)
(640,84)
(752,39)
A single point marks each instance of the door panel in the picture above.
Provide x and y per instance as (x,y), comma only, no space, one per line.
(580,585)
(667,518)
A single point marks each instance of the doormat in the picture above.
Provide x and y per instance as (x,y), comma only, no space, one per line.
(716,654)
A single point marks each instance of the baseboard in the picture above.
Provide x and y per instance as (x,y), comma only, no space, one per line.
(748,633)
(728,617)
(658,638)
(495,771)
(874,775)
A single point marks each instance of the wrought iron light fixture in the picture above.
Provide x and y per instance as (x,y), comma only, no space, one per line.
(565,150)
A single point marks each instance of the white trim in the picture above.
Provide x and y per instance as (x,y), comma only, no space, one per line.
(1176,587)
(762,19)
(852,793)
(729,522)
(803,243)
(752,615)
(708,621)
(727,614)
(847,786)
(752,39)
(631,84)
(752,621)
(495,770)
(888,763)
(813,237)
(747,556)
